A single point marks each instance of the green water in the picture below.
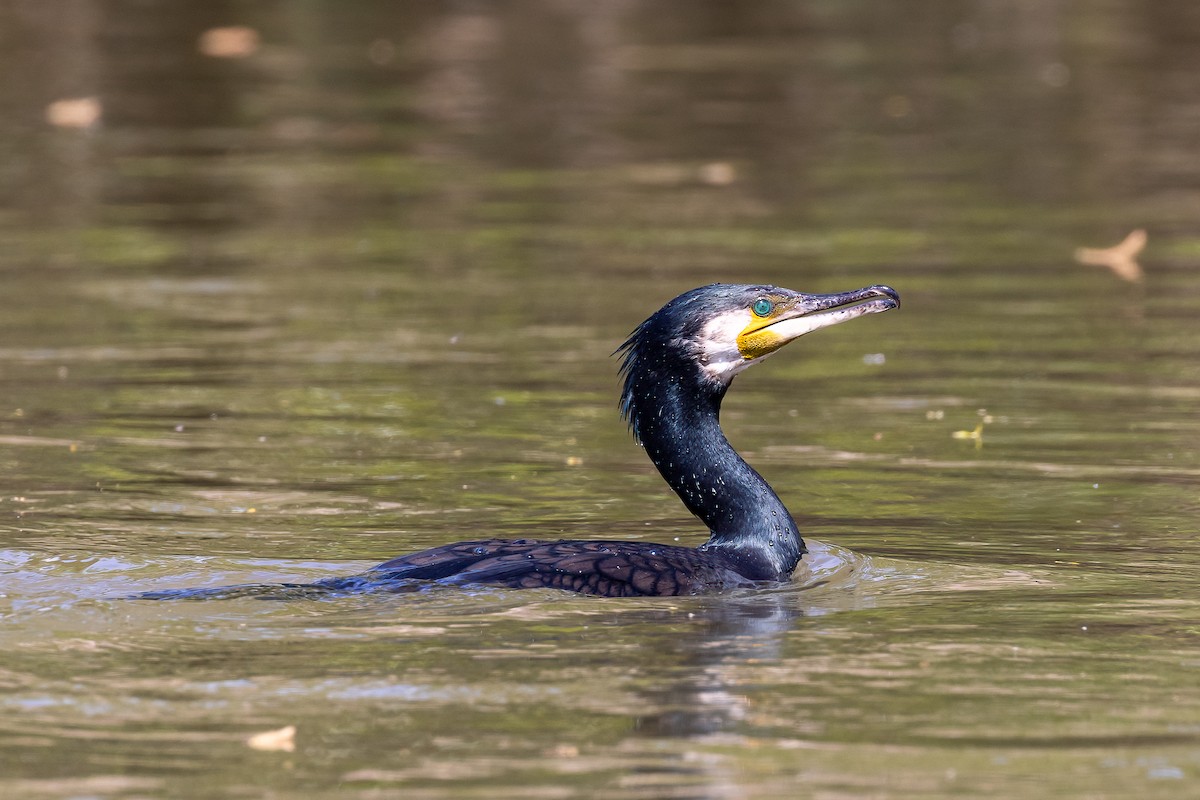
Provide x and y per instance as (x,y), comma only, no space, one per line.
(283,317)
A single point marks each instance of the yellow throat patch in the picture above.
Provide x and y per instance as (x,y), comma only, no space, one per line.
(757,339)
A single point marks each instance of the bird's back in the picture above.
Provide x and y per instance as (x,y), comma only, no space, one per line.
(597,567)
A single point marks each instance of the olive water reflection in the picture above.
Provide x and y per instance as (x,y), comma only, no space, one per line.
(344,284)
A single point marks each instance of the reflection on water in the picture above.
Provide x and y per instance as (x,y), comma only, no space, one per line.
(293,289)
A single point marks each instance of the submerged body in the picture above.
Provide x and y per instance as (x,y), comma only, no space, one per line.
(592,566)
(677,366)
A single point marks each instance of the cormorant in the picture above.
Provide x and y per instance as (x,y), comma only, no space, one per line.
(677,366)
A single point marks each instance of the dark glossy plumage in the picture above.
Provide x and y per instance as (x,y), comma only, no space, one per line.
(677,366)
(609,568)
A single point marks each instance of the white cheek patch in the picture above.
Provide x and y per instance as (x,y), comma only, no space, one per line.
(720,357)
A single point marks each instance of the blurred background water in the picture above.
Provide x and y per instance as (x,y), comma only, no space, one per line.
(292,288)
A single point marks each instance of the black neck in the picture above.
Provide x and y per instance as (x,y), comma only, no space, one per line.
(677,418)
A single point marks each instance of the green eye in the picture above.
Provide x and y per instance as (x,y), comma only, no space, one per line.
(762,307)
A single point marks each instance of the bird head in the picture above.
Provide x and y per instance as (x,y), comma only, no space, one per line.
(708,335)
(725,328)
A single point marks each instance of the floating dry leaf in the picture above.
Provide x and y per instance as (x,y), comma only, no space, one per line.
(74,112)
(283,739)
(976,435)
(1121,258)
(234,41)
(718,173)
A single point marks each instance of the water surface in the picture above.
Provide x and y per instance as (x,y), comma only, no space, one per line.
(284,316)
